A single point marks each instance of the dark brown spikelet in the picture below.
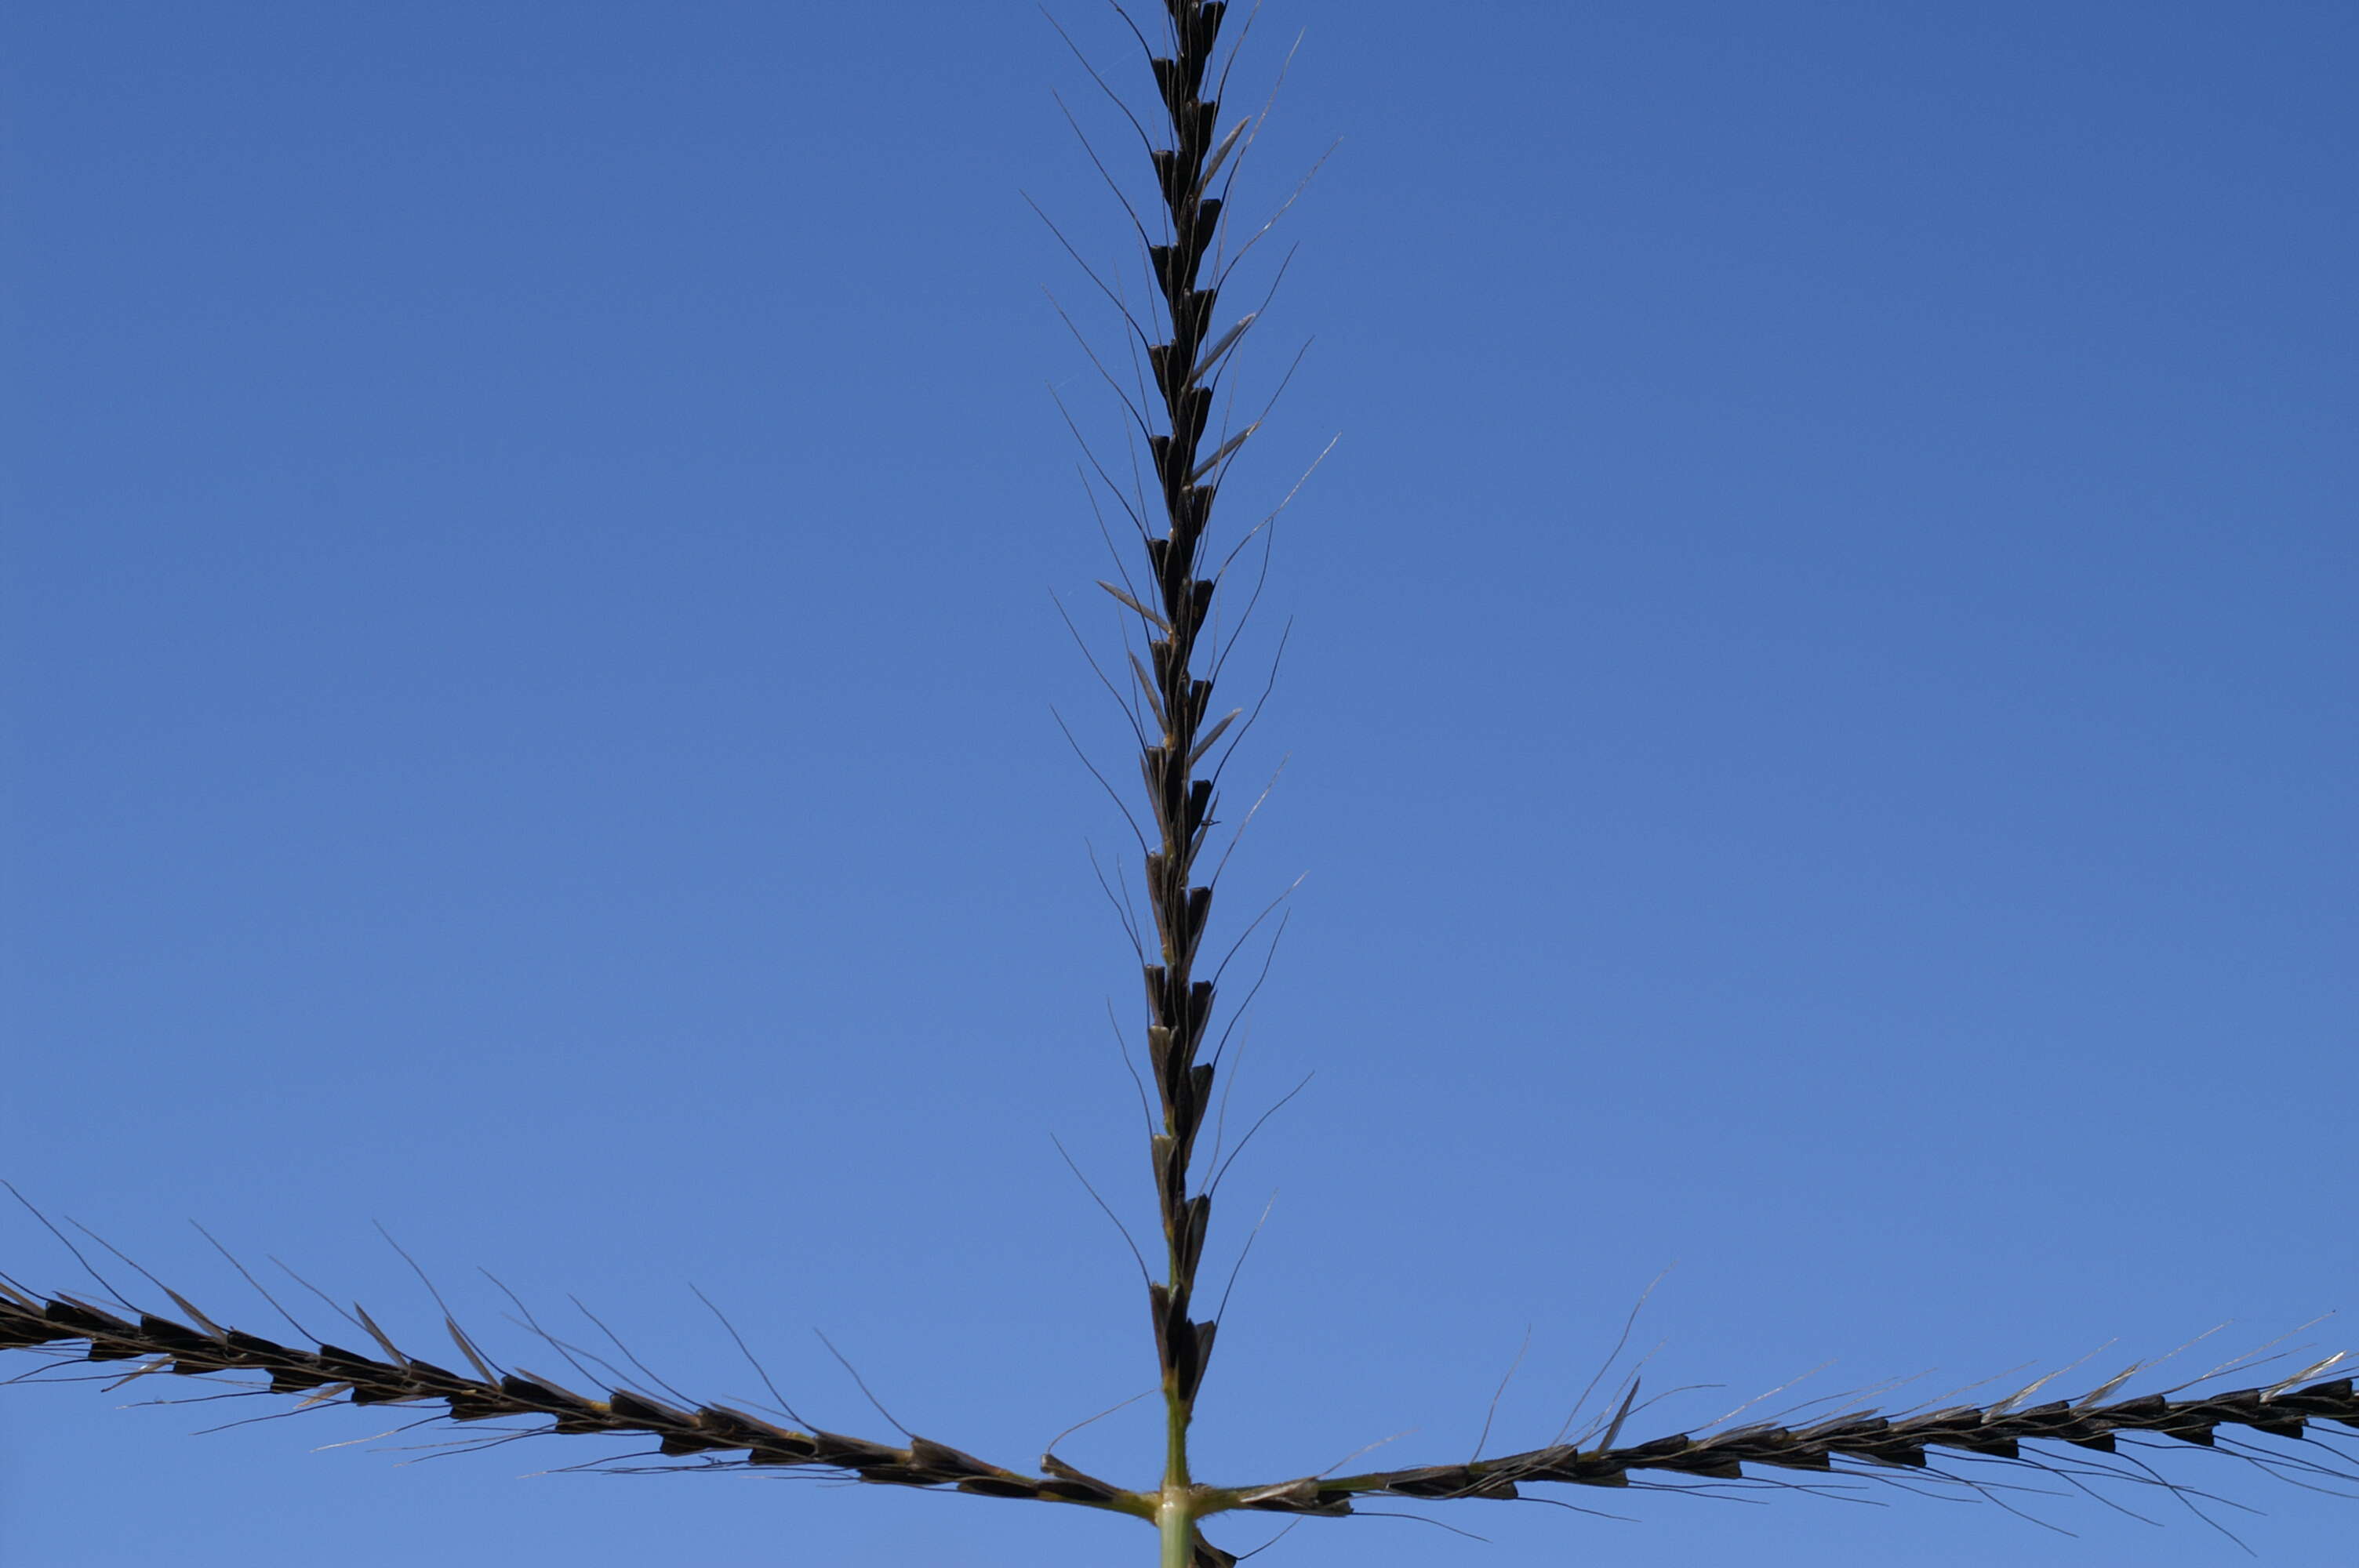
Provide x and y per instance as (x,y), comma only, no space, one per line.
(1911,1444)
(324,1373)
(1866,1443)
(1179,1005)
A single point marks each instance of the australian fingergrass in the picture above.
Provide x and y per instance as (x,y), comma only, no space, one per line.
(1188,338)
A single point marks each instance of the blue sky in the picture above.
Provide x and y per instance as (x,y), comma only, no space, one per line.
(1817,731)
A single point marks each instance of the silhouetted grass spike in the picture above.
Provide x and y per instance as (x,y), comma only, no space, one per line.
(1854,1443)
(1902,1442)
(329,1373)
(1182,349)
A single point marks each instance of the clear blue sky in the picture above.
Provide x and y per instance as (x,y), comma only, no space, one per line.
(1819,719)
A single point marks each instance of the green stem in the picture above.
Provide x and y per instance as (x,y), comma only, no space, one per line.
(1177,1524)
(1175,1511)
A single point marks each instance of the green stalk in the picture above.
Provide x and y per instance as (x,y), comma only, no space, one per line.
(1176,1525)
(1175,1513)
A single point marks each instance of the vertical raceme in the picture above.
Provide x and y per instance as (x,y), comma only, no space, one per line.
(1178,1004)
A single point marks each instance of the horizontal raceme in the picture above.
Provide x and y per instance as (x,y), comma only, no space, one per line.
(1901,1441)
(331,1372)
